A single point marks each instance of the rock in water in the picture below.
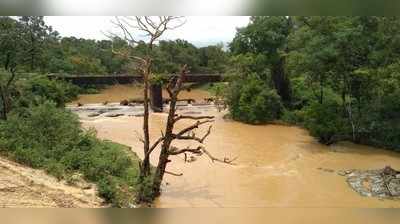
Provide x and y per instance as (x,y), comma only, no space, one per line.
(124,103)
(94,114)
(113,115)
(389,171)
(394,187)
(381,183)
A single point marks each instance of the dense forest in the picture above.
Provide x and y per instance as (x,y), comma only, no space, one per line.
(338,77)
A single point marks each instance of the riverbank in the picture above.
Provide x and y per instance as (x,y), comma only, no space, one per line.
(24,187)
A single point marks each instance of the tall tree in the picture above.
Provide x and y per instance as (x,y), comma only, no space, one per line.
(268,36)
(37,33)
(154,28)
(11,56)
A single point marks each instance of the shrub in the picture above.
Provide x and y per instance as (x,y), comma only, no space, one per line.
(38,89)
(146,190)
(252,101)
(295,117)
(325,121)
(218,90)
(56,169)
(45,129)
(107,189)
(51,138)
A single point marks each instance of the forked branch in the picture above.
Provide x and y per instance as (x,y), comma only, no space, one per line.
(193,136)
(174,174)
(181,117)
(193,126)
(200,150)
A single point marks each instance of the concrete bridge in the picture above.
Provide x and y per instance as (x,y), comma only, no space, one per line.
(156,99)
(84,80)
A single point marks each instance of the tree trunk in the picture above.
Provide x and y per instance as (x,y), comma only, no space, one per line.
(281,81)
(145,166)
(163,159)
(4,102)
(160,171)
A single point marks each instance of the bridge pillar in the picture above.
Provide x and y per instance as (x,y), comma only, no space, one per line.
(156,101)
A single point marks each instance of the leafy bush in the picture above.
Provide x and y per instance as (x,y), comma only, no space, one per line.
(295,117)
(39,89)
(325,121)
(252,101)
(146,189)
(45,130)
(218,90)
(51,138)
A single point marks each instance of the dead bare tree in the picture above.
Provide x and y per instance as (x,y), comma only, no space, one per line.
(174,87)
(151,28)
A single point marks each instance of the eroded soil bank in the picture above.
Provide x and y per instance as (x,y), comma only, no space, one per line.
(278,166)
(24,187)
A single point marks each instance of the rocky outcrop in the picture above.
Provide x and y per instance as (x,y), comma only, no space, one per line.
(96,111)
(382,183)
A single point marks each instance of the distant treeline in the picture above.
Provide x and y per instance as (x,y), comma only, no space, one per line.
(41,49)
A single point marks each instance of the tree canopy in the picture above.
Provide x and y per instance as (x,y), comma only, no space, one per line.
(44,50)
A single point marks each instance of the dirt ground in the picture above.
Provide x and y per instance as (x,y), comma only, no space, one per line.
(22,186)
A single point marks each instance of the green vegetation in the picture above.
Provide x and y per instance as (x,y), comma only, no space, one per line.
(51,138)
(44,51)
(42,88)
(337,76)
(253,102)
(40,133)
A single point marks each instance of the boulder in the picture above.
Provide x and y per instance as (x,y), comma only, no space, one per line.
(394,187)
(381,183)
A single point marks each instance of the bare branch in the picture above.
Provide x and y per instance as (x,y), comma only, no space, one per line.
(213,159)
(193,136)
(194,126)
(122,24)
(200,150)
(139,136)
(151,149)
(180,117)
(175,151)
(174,174)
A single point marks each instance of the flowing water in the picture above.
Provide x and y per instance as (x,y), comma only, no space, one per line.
(277,166)
(117,93)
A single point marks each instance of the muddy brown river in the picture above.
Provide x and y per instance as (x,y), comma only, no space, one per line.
(277,166)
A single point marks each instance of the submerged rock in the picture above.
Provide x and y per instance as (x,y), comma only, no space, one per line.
(114,115)
(326,170)
(124,103)
(94,115)
(192,112)
(382,183)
